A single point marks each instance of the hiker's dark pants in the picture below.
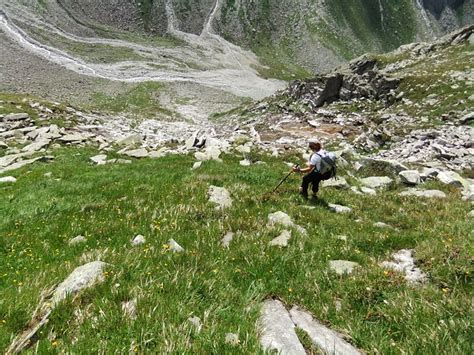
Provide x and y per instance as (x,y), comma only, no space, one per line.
(313,178)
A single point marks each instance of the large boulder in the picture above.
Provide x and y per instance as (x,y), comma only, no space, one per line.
(410,177)
(375,182)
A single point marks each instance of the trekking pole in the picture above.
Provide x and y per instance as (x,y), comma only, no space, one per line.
(284,179)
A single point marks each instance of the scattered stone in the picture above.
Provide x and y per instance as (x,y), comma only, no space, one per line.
(387,166)
(342,267)
(405,263)
(7,179)
(220,196)
(210,153)
(368,191)
(452,178)
(471,214)
(138,240)
(35,146)
(281,218)
(129,309)
(410,177)
(137,153)
(82,277)
(72,138)
(278,330)
(19,164)
(325,339)
(382,225)
(16,117)
(174,246)
(134,139)
(375,182)
(339,208)
(100,159)
(77,240)
(282,240)
(48,174)
(339,183)
(424,193)
(227,239)
(196,322)
(3,145)
(342,237)
(232,339)
(245,162)
(157,154)
(197,165)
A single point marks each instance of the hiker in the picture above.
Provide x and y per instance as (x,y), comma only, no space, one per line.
(316,170)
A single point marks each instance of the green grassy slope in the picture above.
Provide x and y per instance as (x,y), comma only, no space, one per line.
(164,199)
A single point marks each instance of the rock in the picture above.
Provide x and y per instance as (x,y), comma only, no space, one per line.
(129,309)
(282,240)
(174,246)
(134,139)
(339,183)
(48,174)
(278,330)
(3,145)
(7,179)
(342,237)
(424,193)
(245,162)
(211,153)
(281,218)
(220,196)
(82,277)
(391,167)
(196,322)
(100,159)
(138,240)
(34,147)
(382,225)
(19,164)
(191,142)
(452,178)
(405,263)
(16,117)
(232,339)
(157,154)
(342,267)
(471,214)
(410,177)
(137,153)
(368,191)
(227,239)
(197,165)
(244,149)
(326,340)
(77,240)
(375,182)
(339,208)
(73,138)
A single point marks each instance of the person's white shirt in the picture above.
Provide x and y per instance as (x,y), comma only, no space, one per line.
(315,159)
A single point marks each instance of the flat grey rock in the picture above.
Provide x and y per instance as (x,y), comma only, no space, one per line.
(134,139)
(325,339)
(82,277)
(424,193)
(19,164)
(72,138)
(99,159)
(16,117)
(197,165)
(210,153)
(342,267)
(77,240)
(220,196)
(35,146)
(376,182)
(339,183)
(7,179)
(471,214)
(174,246)
(227,239)
(138,240)
(245,162)
(282,240)
(278,330)
(282,219)
(405,263)
(339,208)
(368,191)
(137,153)
(452,178)
(410,177)
(382,225)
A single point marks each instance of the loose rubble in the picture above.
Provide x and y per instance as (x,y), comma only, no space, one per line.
(405,263)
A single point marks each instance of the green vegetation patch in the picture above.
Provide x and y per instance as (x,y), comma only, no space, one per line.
(164,198)
(142,100)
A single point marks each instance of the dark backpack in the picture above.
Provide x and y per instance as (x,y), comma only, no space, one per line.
(328,165)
